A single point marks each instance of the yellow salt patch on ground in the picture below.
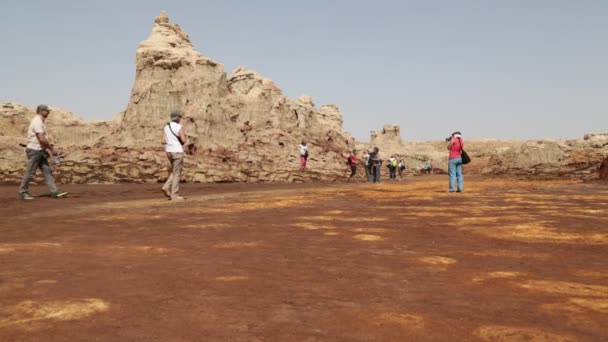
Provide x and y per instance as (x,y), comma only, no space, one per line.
(437,260)
(343,219)
(368,237)
(505,253)
(335,212)
(140,249)
(234,244)
(371,230)
(538,232)
(134,204)
(592,274)
(565,288)
(497,333)
(581,312)
(311,226)
(231,278)
(243,206)
(497,275)
(362,220)
(46,281)
(390,207)
(151,249)
(318,218)
(431,214)
(32,311)
(483,210)
(475,219)
(127,217)
(595,304)
(330,233)
(32,245)
(406,321)
(525,199)
(590,211)
(12,247)
(203,226)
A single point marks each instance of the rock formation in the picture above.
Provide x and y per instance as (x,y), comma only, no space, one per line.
(535,158)
(241,128)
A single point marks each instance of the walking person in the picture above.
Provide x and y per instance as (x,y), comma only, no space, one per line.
(392,167)
(376,163)
(455,147)
(401,167)
(368,166)
(352,162)
(37,155)
(303,155)
(174,139)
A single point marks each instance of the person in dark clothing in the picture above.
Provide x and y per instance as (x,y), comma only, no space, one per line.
(376,163)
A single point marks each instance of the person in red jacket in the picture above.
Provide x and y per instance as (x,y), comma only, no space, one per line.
(352,162)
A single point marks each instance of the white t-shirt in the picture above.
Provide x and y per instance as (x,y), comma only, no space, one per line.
(173,145)
(303,149)
(36,126)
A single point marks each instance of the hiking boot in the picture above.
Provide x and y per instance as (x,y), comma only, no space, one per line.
(58,194)
(177,198)
(166,192)
(26,196)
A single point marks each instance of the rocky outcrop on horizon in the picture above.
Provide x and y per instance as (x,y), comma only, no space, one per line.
(578,158)
(241,128)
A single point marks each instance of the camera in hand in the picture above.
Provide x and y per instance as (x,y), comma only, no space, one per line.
(448,139)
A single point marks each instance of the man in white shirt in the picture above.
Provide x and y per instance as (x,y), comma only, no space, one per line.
(174,139)
(37,155)
(368,167)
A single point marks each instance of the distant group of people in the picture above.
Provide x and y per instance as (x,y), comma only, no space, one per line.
(373,163)
(39,149)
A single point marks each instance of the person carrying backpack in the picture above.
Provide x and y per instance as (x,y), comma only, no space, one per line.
(392,167)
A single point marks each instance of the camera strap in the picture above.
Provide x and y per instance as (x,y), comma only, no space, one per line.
(177,136)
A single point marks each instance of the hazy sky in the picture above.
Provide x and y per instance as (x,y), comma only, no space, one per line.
(489,68)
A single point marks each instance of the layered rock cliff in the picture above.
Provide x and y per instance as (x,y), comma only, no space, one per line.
(239,128)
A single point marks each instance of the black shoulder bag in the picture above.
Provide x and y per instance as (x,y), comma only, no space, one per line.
(465,156)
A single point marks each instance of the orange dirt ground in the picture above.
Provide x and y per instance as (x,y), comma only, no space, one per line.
(506,260)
